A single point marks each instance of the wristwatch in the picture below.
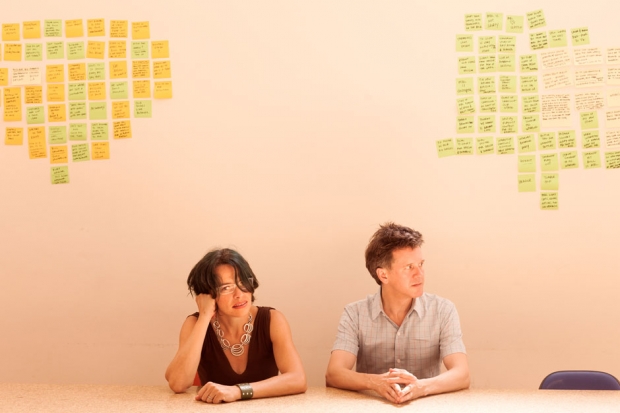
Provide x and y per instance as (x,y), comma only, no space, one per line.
(246,391)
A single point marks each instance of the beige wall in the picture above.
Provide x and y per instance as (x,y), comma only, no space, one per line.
(295,129)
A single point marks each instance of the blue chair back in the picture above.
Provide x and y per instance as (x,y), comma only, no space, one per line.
(580,380)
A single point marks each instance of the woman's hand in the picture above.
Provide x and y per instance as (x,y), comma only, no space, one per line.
(206,304)
(218,393)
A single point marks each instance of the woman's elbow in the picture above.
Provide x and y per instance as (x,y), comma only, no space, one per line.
(178,386)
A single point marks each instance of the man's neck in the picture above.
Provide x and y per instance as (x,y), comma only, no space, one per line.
(396,307)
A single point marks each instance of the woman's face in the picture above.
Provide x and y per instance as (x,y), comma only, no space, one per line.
(232,300)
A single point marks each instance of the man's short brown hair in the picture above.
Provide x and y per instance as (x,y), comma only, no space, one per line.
(389,237)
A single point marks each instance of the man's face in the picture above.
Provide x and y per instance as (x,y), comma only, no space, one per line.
(406,274)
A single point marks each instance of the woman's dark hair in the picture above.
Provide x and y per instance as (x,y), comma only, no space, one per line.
(203,279)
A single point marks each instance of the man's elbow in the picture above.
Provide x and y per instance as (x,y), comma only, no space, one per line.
(466,380)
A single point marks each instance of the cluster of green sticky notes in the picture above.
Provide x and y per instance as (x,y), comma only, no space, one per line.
(526,182)
(445,147)
(77,132)
(549,200)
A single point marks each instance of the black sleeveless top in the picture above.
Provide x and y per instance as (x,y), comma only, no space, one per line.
(215,367)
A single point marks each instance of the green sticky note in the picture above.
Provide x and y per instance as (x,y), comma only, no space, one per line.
(55,50)
(140,50)
(539,41)
(473,22)
(97,111)
(507,84)
(508,124)
(464,43)
(119,90)
(467,65)
(529,84)
(98,131)
(485,146)
(77,91)
(487,64)
(557,38)
(526,163)
(527,182)
(530,123)
(486,84)
(612,160)
(580,36)
(529,63)
(96,71)
(75,50)
(80,152)
(34,52)
(591,160)
(142,109)
(589,120)
(566,139)
(530,104)
(506,63)
(77,110)
(486,124)
(590,139)
(488,104)
(52,28)
(546,141)
(569,160)
(514,24)
(487,44)
(464,124)
(550,182)
(445,147)
(527,143)
(77,132)
(505,146)
(536,19)
(465,106)
(60,175)
(494,21)
(35,115)
(549,201)
(549,162)
(508,103)
(464,146)
(507,44)
(57,134)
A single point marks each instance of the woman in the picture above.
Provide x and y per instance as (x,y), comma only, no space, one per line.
(236,347)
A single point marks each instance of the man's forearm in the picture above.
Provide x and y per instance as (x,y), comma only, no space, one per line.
(451,380)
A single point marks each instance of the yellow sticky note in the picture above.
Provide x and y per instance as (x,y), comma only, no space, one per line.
(95,27)
(589,120)
(79,152)
(74,28)
(549,162)
(77,71)
(591,160)
(57,113)
(161,69)
(488,104)
(10,32)
(464,43)
(557,38)
(33,94)
(550,182)
(487,44)
(445,147)
(508,124)
(486,124)
(96,91)
(526,163)
(160,49)
(118,28)
(13,52)
(140,68)
(464,124)
(549,201)
(530,104)
(117,49)
(485,146)
(507,44)
(580,36)
(506,63)
(465,86)
(529,84)
(527,182)
(59,175)
(56,92)
(505,146)
(141,89)
(494,21)
(569,160)
(100,150)
(14,136)
(163,90)
(486,84)
(530,123)
(487,64)
(536,19)
(466,65)
(37,148)
(118,70)
(529,63)
(120,110)
(4,76)
(32,29)
(464,146)
(95,49)
(539,40)
(507,84)
(140,30)
(612,160)
(527,143)
(473,22)
(567,139)
(514,24)
(590,139)
(12,104)
(122,129)
(59,154)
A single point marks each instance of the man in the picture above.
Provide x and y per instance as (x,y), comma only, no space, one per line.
(399,336)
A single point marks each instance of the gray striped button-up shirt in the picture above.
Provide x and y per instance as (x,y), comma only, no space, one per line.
(429,332)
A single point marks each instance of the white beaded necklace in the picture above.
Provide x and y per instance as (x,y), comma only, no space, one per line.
(236,349)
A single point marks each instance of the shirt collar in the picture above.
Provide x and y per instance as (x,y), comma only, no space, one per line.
(377,306)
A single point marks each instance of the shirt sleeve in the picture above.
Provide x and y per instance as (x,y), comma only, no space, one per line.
(347,336)
(450,338)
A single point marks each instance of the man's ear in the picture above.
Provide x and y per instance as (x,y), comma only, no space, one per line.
(382,275)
